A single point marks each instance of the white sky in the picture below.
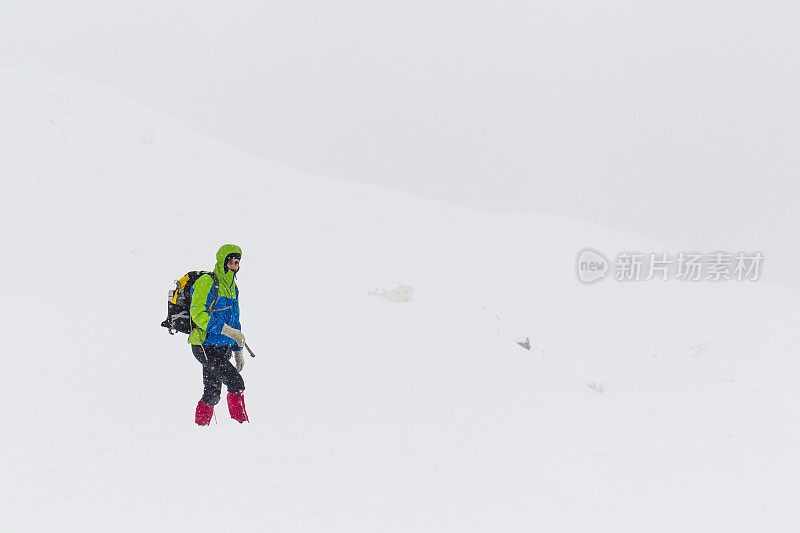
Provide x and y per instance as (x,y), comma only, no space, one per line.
(678,120)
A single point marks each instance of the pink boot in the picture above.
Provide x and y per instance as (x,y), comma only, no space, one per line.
(236,407)
(203,413)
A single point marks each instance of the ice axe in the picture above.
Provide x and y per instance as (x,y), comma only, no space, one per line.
(249,350)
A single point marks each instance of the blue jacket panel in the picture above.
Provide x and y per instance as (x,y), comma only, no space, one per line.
(225,311)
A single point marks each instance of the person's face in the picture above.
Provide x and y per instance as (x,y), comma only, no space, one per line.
(233,264)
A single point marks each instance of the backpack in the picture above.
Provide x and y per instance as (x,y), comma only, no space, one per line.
(180,298)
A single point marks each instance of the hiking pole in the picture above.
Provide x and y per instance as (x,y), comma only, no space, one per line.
(249,350)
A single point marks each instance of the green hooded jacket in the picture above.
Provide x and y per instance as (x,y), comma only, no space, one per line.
(209,321)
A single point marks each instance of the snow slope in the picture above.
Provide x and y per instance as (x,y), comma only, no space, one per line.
(640,407)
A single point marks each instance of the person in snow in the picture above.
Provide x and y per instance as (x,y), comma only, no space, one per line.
(218,335)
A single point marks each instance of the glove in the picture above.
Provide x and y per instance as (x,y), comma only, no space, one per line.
(239,360)
(234,334)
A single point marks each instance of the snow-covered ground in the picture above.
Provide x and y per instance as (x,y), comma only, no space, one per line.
(650,406)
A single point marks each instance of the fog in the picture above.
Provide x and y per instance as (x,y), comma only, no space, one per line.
(676,121)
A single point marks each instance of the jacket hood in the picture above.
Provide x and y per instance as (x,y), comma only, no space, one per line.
(222,253)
